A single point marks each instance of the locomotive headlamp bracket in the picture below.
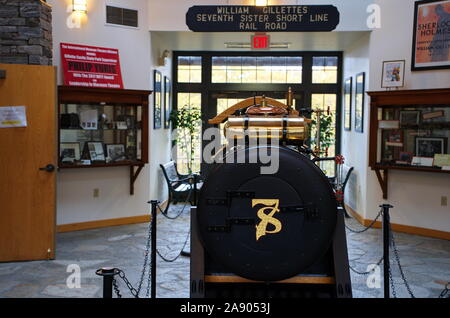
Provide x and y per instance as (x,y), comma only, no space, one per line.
(230,196)
(310,211)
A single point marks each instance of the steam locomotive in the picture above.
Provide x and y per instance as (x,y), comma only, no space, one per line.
(267,235)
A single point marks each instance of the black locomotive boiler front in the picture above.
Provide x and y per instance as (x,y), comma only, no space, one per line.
(267,227)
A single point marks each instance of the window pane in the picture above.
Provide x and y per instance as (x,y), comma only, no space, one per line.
(265,69)
(196,69)
(279,70)
(327,104)
(248,69)
(219,69)
(189,69)
(325,70)
(234,69)
(190,101)
(294,67)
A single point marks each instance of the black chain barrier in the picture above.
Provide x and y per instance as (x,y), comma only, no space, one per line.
(166,215)
(368,272)
(362,231)
(397,259)
(110,283)
(365,227)
(446,292)
(385,259)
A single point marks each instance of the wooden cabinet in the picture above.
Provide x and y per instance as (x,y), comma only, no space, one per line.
(103,128)
(409,130)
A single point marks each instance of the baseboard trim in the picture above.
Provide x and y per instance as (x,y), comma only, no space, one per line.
(72,227)
(400,227)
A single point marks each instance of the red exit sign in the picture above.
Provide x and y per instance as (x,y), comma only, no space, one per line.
(260,41)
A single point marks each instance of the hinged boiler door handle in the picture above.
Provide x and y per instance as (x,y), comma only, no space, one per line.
(48,168)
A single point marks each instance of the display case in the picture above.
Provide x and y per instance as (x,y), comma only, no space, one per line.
(103,128)
(409,130)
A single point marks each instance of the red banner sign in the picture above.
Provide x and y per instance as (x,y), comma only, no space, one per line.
(90,66)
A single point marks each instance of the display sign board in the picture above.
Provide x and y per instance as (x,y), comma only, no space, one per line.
(90,66)
(289,18)
(13,116)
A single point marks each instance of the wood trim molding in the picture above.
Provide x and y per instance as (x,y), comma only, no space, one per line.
(101,223)
(63,228)
(400,227)
(292,280)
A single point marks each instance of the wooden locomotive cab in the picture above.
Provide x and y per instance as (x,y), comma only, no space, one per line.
(259,235)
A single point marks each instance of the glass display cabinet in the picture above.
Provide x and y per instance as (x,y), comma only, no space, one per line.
(409,130)
(103,128)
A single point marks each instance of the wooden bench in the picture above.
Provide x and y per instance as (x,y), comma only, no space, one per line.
(179,186)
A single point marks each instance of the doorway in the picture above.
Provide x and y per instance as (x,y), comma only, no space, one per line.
(214,81)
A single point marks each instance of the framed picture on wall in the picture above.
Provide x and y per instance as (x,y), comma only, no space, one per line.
(167,102)
(430,146)
(393,74)
(348,87)
(431,40)
(69,152)
(95,151)
(360,82)
(115,152)
(409,117)
(157,99)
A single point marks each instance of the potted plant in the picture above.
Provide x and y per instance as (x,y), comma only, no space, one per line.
(187,121)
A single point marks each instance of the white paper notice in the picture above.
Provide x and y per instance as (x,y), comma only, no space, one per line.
(13,116)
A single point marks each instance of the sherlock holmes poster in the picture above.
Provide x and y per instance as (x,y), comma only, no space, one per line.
(431,43)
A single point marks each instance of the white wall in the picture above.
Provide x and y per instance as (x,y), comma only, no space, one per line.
(170,15)
(416,196)
(354,144)
(75,201)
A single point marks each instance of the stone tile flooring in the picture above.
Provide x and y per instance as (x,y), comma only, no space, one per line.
(426,262)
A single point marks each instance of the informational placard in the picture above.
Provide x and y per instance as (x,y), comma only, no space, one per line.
(288,18)
(13,116)
(89,66)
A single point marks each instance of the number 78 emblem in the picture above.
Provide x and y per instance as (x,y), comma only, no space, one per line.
(266,214)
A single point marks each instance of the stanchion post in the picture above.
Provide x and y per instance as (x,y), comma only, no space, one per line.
(386,243)
(108,274)
(195,189)
(154,204)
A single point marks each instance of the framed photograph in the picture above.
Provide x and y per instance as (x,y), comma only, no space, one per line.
(348,86)
(431,43)
(167,102)
(95,151)
(359,101)
(430,146)
(410,117)
(69,152)
(115,152)
(393,74)
(157,99)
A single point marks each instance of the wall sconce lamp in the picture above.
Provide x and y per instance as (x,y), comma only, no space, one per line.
(261,3)
(79,6)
